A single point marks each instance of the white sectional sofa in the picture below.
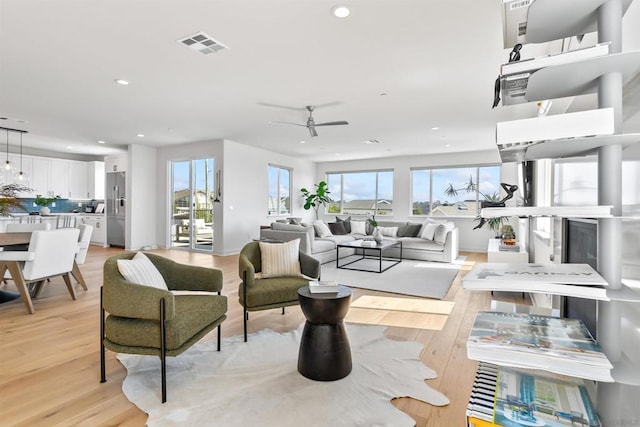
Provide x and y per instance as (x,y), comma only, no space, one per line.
(413,246)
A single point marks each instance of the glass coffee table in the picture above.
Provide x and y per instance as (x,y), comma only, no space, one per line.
(369,252)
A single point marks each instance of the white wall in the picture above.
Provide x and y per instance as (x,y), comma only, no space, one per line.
(141,197)
(245,196)
(243,207)
(470,240)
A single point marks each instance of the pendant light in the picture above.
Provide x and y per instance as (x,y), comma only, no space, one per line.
(7,164)
(21,174)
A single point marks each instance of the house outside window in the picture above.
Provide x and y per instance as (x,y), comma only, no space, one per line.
(279,190)
(431,190)
(361,193)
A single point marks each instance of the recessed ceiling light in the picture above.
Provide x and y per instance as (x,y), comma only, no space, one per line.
(121,82)
(447,145)
(303,142)
(140,135)
(101,142)
(435,128)
(69,147)
(340,11)
(170,130)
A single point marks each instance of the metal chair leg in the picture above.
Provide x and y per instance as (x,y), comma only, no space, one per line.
(283,310)
(103,376)
(246,317)
(163,352)
(219,335)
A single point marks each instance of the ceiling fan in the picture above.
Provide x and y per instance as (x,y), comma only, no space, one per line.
(311,124)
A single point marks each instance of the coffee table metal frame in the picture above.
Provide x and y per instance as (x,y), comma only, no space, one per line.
(385,244)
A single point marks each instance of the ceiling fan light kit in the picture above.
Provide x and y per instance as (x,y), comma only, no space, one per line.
(311,124)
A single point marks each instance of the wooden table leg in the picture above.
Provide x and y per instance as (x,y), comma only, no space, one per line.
(75,272)
(67,281)
(18,279)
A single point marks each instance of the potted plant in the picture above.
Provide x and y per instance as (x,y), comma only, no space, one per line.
(44,203)
(317,199)
(9,197)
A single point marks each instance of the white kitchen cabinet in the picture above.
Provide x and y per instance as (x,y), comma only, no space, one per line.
(77,180)
(99,233)
(95,180)
(40,176)
(115,163)
(59,177)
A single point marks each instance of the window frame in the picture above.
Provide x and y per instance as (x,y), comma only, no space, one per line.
(376,190)
(278,204)
(430,170)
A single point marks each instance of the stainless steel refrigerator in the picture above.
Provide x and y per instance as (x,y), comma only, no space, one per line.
(116,208)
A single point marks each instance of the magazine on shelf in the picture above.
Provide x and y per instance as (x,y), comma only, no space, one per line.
(576,280)
(527,397)
(322,286)
(559,345)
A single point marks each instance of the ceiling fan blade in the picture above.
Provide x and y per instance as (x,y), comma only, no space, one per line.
(341,122)
(312,131)
(288,123)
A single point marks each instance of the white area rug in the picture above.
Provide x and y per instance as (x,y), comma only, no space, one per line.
(418,278)
(257,383)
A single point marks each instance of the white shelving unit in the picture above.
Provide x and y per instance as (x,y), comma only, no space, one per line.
(549,20)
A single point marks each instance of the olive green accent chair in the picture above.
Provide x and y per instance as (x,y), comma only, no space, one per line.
(255,293)
(151,321)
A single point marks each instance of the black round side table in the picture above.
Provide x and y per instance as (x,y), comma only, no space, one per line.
(324,353)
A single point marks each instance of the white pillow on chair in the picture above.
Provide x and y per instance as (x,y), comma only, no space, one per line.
(280,259)
(141,271)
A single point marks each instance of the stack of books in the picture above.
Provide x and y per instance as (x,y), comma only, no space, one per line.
(559,345)
(507,396)
(509,248)
(323,286)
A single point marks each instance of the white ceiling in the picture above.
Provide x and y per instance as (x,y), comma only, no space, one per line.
(435,60)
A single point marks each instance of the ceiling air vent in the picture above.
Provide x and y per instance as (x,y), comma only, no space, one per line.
(203,43)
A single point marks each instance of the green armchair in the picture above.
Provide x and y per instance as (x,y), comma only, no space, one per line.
(255,293)
(152,321)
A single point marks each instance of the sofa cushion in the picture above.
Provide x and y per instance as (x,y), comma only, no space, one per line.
(346,222)
(141,271)
(388,231)
(337,228)
(421,244)
(280,259)
(323,245)
(428,230)
(358,227)
(410,230)
(441,231)
(322,229)
(340,239)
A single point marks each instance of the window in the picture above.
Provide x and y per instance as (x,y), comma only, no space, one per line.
(453,191)
(361,193)
(279,190)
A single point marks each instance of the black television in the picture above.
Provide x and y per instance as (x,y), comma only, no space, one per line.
(580,246)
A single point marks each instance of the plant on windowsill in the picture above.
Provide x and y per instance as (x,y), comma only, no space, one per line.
(317,199)
(44,203)
(494,223)
(9,197)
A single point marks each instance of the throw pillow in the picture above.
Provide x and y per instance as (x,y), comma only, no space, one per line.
(295,221)
(347,223)
(141,271)
(358,227)
(441,232)
(322,229)
(428,231)
(410,230)
(388,231)
(280,259)
(337,228)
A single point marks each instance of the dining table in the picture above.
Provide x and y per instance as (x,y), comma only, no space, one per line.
(9,240)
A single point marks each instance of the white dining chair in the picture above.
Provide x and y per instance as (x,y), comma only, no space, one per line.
(51,253)
(83,247)
(66,221)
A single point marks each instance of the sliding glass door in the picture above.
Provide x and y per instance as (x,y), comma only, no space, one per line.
(192,195)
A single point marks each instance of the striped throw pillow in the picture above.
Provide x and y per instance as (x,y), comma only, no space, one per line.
(280,259)
(141,271)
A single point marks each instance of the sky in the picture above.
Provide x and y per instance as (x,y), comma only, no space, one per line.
(181,174)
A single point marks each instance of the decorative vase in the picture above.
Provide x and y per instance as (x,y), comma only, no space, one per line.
(45,210)
(377,236)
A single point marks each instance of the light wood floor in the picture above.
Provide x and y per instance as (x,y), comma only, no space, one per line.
(49,361)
